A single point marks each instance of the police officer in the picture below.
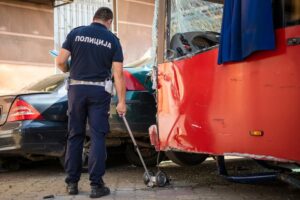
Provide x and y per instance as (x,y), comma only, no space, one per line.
(94,51)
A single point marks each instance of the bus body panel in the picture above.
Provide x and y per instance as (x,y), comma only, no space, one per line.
(208,108)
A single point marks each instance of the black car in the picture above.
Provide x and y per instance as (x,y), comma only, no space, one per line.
(33,123)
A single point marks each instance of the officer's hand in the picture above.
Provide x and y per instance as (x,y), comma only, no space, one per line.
(121,109)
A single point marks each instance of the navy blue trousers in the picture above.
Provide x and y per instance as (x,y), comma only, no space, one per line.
(92,103)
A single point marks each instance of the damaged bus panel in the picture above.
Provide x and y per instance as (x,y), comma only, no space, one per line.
(227,82)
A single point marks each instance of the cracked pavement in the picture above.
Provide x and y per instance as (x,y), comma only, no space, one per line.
(38,180)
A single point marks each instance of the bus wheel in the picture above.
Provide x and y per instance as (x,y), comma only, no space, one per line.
(149,155)
(186,159)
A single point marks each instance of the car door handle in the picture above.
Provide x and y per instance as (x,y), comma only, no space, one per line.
(293,41)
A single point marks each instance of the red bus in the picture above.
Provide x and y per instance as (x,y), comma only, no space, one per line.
(248,107)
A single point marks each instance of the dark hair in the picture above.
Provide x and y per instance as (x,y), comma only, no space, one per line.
(104,13)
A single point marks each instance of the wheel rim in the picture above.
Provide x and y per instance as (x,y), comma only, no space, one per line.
(85,151)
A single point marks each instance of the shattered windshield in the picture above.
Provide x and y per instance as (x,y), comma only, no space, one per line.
(195,15)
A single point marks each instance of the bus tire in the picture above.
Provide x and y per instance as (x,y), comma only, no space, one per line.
(186,159)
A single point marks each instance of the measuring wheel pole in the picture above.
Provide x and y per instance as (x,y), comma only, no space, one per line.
(136,147)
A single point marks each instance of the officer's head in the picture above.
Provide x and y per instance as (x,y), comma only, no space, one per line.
(104,16)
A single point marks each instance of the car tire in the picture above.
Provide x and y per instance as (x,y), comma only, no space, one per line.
(148,153)
(62,161)
(11,165)
(186,159)
(85,155)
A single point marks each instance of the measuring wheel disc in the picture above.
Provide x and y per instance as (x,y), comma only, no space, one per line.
(161,179)
(146,178)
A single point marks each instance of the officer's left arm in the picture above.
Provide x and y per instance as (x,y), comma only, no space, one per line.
(62,60)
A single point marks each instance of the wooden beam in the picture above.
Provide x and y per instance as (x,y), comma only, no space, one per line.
(216,1)
(161,28)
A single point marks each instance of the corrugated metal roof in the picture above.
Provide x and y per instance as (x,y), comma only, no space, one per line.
(54,3)
(78,13)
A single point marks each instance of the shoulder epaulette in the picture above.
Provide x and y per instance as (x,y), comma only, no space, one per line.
(115,36)
(78,27)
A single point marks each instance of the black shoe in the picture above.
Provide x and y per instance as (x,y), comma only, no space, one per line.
(99,191)
(72,188)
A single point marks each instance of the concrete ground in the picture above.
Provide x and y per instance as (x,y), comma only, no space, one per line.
(37,180)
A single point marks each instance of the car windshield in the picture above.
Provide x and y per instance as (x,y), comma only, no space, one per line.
(195,15)
(48,84)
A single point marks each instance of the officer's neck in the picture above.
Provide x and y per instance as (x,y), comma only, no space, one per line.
(106,24)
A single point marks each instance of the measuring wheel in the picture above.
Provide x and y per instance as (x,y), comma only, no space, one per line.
(146,178)
(161,179)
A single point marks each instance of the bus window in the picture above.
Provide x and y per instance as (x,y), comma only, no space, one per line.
(193,26)
(292,12)
(286,13)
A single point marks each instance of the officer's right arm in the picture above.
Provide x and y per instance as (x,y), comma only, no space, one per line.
(120,86)
(65,52)
(62,59)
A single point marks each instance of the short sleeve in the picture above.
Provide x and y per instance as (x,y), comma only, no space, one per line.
(68,42)
(118,54)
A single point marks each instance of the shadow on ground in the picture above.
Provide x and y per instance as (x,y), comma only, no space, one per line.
(115,158)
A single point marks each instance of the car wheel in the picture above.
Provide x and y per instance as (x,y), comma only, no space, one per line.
(84,156)
(62,160)
(148,153)
(186,159)
(11,165)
